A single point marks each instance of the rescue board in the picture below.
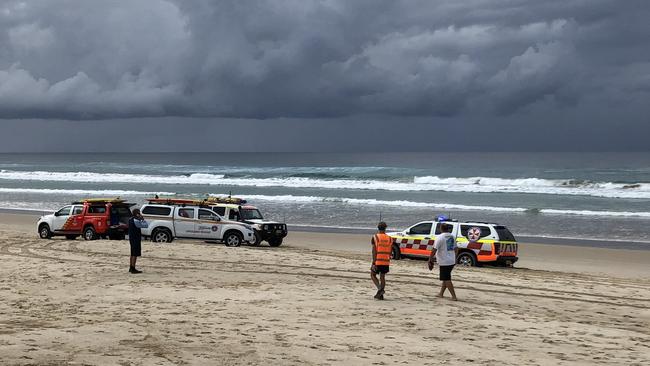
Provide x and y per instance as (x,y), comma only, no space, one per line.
(233,200)
(101,200)
(176,201)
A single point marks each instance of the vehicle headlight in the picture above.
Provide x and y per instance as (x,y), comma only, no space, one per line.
(248,227)
(265,227)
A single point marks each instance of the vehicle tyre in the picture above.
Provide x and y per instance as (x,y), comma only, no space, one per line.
(89,233)
(232,239)
(44,231)
(466,259)
(71,237)
(161,236)
(275,242)
(258,239)
(395,253)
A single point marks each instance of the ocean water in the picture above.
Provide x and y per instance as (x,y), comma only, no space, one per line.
(572,195)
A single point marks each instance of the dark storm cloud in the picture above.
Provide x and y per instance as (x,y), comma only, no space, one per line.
(77,59)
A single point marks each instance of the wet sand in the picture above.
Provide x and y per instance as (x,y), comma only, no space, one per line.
(309,302)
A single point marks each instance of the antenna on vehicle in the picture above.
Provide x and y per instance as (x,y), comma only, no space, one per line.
(380,218)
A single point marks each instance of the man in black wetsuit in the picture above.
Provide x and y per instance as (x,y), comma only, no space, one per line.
(136,222)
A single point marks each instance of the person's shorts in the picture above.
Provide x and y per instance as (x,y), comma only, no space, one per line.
(136,250)
(382,269)
(445,272)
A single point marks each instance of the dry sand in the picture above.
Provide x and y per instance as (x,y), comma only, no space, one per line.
(310,303)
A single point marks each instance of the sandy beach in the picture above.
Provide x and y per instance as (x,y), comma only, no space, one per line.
(309,302)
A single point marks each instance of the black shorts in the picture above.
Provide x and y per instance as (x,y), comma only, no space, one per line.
(136,250)
(381,269)
(445,272)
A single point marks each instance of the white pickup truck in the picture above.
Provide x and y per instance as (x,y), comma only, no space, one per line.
(169,222)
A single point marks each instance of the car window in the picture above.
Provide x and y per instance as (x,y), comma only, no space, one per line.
(77,210)
(155,210)
(421,229)
(97,210)
(233,215)
(65,211)
(251,214)
(206,215)
(485,230)
(186,212)
(219,210)
(504,233)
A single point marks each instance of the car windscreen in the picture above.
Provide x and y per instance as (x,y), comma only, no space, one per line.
(251,214)
(504,233)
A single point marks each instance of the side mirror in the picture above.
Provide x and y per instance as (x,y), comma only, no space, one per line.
(57,213)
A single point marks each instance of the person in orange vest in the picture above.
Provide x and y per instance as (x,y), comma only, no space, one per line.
(382,245)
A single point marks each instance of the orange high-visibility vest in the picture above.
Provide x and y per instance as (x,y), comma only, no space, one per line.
(383,246)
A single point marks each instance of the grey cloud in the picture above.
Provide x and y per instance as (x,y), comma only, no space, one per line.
(75,59)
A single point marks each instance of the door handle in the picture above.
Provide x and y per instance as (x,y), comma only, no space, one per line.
(428,238)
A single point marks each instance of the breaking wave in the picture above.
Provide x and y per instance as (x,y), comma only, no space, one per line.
(425,183)
(92,192)
(291,199)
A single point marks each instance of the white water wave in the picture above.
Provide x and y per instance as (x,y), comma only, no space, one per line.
(446,206)
(92,192)
(291,199)
(429,183)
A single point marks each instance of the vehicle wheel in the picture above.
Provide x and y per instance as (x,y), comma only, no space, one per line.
(466,259)
(44,231)
(258,239)
(89,233)
(233,239)
(161,236)
(395,253)
(71,237)
(275,242)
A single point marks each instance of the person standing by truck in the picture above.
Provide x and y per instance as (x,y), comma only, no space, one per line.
(382,245)
(444,251)
(136,222)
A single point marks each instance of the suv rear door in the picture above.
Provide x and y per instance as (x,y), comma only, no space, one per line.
(185,222)
(208,225)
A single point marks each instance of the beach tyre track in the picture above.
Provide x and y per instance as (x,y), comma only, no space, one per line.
(30,250)
(74,248)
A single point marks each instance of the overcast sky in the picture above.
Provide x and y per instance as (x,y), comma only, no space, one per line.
(284,75)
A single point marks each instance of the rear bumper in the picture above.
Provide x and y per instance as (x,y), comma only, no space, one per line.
(506,260)
(118,229)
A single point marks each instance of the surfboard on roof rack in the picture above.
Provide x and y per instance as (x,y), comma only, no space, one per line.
(99,200)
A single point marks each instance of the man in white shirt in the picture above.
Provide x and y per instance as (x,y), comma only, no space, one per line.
(444,251)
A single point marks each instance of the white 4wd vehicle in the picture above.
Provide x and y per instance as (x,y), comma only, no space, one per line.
(271,231)
(169,222)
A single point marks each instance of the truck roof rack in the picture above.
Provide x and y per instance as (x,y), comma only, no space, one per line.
(99,200)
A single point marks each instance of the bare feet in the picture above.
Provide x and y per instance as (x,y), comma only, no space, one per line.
(439,295)
(454,299)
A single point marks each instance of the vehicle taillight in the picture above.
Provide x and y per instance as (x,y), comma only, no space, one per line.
(497,248)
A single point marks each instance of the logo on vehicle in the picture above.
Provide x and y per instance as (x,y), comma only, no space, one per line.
(215,228)
(474,234)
